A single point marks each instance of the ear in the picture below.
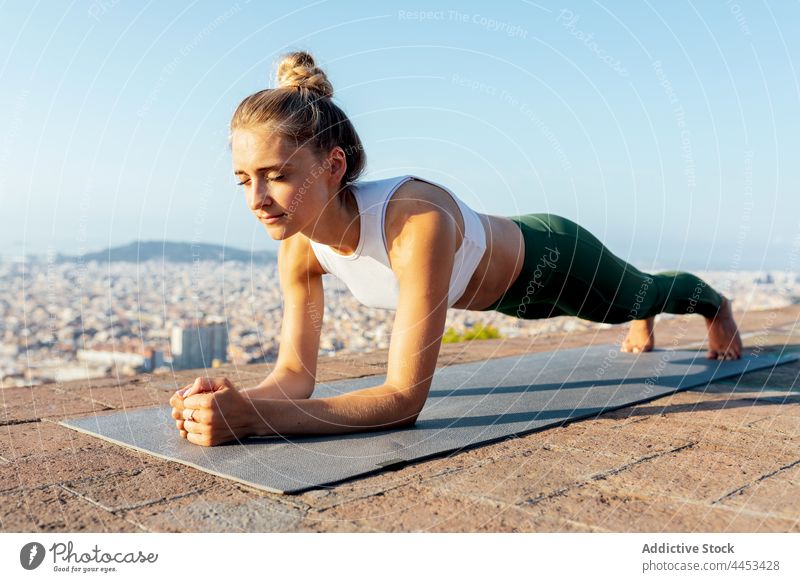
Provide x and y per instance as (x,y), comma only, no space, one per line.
(337,162)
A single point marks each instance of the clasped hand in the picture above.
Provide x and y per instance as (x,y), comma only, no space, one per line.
(212,411)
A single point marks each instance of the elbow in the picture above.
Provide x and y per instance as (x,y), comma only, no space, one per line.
(396,421)
(404,415)
(407,406)
(410,413)
(405,421)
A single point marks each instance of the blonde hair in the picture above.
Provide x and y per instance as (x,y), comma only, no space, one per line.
(300,109)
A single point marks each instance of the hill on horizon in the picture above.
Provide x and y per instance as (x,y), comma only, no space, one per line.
(172,251)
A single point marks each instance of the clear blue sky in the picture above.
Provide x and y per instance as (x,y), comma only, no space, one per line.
(669,129)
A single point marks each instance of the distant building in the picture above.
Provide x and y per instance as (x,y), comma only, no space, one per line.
(768,279)
(197,345)
(134,357)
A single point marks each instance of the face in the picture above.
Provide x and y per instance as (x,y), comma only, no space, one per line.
(292,184)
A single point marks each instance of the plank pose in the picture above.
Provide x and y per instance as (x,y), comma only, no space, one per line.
(408,244)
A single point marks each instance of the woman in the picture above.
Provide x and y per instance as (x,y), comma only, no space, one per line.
(408,244)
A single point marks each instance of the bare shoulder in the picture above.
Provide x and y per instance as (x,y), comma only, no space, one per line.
(296,257)
(412,198)
(416,194)
(416,197)
(413,209)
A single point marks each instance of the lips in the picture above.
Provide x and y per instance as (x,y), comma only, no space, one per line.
(272,219)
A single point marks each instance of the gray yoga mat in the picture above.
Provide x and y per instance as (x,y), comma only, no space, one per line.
(468,405)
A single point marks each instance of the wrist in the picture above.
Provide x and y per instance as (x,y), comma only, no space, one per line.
(257,424)
(280,388)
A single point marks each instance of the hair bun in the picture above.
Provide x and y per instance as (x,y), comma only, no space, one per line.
(298,70)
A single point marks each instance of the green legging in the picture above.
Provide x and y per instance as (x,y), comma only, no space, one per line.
(568,271)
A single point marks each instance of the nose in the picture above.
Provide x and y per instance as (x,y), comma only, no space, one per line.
(258,196)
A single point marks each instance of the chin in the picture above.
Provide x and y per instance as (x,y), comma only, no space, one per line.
(278,231)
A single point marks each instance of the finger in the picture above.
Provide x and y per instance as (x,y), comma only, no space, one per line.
(201,384)
(176,401)
(179,392)
(193,426)
(204,440)
(189,388)
(184,434)
(179,424)
(196,427)
(196,439)
(220,381)
(199,401)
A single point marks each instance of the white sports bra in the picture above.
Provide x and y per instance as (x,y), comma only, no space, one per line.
(367,272)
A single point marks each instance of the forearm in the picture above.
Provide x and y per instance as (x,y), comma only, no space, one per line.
(282,385)
(378,408)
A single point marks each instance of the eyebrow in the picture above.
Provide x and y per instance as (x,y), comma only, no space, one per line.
(267,168)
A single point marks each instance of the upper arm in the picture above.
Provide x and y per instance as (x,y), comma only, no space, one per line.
(303,308)
(422,256)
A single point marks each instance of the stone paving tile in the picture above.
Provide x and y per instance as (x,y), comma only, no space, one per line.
(26,404)
(127,396)
(172,382)
(550,470)
(156,481)
(54,468)
(691,406)
(360,487)
(775,493)
(773,426)
(224,507)
(705,472)
(53,509)
(424,471)
(770,431)
(415,508)
(785,377)
(632,511)
(40,440)
(612,440)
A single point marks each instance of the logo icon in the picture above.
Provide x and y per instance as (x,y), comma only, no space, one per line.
(31,555)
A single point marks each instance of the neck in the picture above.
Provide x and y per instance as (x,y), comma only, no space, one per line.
(339,226)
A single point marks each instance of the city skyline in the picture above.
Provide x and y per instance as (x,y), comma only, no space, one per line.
(59,322)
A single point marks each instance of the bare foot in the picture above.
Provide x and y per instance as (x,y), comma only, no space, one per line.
(724,342)
(640,336)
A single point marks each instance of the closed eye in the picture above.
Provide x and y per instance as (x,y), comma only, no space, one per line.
(274,179)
